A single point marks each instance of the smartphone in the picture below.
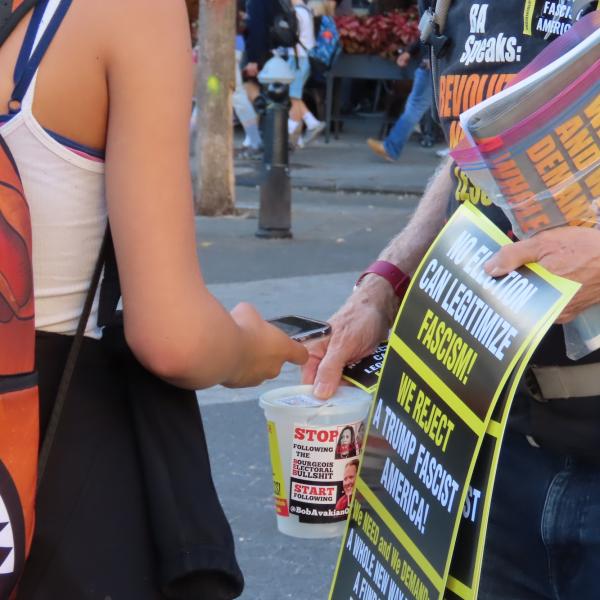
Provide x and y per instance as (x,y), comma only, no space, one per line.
(301,329)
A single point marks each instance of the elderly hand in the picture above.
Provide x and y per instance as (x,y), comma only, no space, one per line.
(356,330)
(571,252)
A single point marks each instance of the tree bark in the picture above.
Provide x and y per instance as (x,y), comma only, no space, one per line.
(214,181)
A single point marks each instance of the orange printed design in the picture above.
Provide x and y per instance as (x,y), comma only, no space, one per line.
(19,403)
(458,93)
(18,474)
(19,446)
(461,92)
(17,327)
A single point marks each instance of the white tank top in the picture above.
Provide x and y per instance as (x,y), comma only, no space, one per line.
(65,192)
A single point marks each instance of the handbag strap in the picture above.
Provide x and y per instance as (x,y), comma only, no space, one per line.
(67,376)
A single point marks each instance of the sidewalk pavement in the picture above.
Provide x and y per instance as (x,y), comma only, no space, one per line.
(346,164)
(336,234)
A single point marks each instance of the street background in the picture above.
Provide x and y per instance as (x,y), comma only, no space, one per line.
(346,205)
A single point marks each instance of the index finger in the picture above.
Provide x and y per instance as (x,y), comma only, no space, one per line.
(298,353)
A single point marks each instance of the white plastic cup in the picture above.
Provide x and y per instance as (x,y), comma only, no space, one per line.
(315,447)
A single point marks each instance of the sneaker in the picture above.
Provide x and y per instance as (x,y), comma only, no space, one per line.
(443,152)
(379,149)
(311,134)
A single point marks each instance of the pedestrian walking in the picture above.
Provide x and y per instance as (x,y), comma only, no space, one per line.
(417,104)
(301,118)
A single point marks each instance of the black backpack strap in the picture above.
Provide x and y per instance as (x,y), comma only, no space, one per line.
(67,375)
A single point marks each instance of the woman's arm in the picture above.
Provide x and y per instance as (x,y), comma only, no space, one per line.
(172,323)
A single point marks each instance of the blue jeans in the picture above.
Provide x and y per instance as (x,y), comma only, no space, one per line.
(418,101)
(544,532)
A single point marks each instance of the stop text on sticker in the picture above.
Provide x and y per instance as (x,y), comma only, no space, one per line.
(315,435)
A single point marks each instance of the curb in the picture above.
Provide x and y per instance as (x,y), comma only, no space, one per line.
(254,182)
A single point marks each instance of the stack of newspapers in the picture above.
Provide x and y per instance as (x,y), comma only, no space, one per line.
(534,148)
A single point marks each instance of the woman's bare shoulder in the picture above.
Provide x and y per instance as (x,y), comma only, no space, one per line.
(123,22)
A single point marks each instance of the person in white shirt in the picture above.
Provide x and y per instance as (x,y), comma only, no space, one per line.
(298,61)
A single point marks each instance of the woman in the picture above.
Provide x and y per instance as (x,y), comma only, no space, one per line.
(99,128)
(300,115)
(346,446)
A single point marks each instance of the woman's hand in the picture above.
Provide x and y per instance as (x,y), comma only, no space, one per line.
(571,252)
(264,349)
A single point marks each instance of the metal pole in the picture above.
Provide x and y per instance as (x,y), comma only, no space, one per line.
(274,214)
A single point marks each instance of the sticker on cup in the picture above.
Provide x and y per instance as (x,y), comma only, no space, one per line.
(323,470)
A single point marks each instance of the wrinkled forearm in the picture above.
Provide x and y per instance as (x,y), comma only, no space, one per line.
(408,248)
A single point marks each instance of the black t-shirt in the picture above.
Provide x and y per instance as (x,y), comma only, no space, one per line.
(489,44)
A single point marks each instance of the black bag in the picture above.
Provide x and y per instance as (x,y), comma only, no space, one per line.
(284,29)
(194,545)
(127,508)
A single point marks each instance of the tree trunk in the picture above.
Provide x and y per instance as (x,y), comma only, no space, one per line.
(192,7)
(214,182)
